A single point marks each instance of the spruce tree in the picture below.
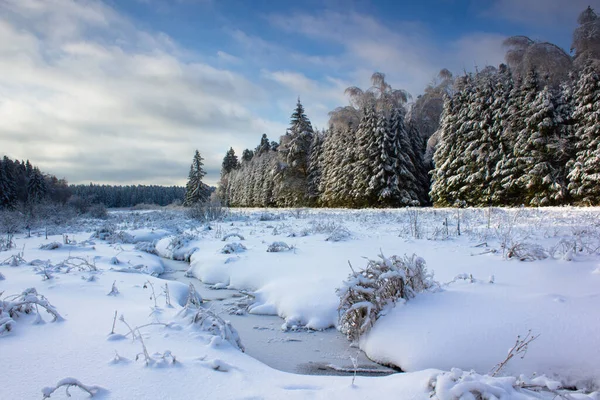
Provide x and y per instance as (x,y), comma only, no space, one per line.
(230,162)
(584,173)
(541,175)
(8,192)
(315,168)
(195,190)
(36,187)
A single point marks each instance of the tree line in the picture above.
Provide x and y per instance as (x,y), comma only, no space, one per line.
(523,133)
(23,186)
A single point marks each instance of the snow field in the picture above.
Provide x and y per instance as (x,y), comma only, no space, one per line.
(469,325)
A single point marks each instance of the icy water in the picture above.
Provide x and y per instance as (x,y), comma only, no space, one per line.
(303,352)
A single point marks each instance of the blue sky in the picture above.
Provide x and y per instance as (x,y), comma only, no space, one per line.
(123,91)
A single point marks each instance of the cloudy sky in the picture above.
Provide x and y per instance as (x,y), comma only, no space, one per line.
(123,91)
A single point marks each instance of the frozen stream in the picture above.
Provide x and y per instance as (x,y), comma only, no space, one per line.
(304,352)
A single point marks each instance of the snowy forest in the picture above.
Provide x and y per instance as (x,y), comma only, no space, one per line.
(24,186)
(523,133)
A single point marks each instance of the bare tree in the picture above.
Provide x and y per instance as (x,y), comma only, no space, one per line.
(524,54)
(586,38)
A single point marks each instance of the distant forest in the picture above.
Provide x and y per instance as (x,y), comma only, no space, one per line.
(23,184)
(525,133)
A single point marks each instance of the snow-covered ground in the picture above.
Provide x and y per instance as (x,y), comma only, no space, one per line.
(486,297)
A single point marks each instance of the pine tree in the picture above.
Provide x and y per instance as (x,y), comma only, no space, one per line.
(449,177)
(247,155)
(195,190)
(264,145)
(36,187)
(8,192)
(315,168)
(361,168)
(584,173)
(541,175)
(403,178)
(230,162)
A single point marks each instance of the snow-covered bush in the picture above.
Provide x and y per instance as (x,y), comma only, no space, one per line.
(277,247)
(211,323)
(269,216)
(458,384)
(28,302)
(233,234)
(210,210)
(234,247)
(120,237)
(366,293)
(67,383)
(51,246)
(148,247)
(338,235)
(526,252)
(104,231)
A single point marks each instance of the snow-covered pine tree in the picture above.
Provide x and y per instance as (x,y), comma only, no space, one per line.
(541,175)
(230,162)
(447,181)
(381,183)
(195,190)
(404,174)
(564,147)
(294,150)
(525,96)
(264,146)
(584,174)
(315,168)
(502,154)
(361,168)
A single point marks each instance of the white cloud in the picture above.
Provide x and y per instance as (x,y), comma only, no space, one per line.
(86,95)
(408,53)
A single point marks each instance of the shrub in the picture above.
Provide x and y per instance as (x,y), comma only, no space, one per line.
(210,210)
(277,247)
(98,211)
(383,282)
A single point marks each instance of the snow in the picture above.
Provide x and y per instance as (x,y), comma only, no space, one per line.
(468,324)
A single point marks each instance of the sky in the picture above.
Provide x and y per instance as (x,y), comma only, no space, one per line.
(124,91)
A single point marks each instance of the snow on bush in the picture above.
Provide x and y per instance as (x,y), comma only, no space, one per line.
(458,384)
(366,293)
(92,390)
(277,247)
(339,235)
(208,321)
(179,247)
(51,246)
(28,302)
(230,235)
(147,247)
(234,247)
(104,231)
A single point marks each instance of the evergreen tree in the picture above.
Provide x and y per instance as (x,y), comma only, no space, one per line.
(264,145)
(584,173)
(315,168)
(195,190)
(403,178)
(8,192)
(541,175)
(247,155)
(36,187)
(362,168)
(230,162)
